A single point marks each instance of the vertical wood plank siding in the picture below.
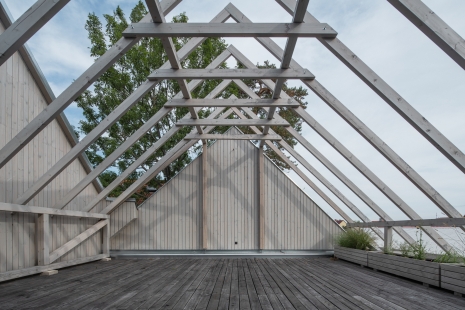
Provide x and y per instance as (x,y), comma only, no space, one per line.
(20,101)
(171,219)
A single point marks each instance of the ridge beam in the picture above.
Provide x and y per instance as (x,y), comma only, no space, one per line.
(232,137)
(231,122)
(299,14)
(213,74)
(27,25)
(228,103)
(286,30)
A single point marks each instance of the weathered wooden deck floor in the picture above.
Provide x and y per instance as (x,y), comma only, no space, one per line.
(314,283)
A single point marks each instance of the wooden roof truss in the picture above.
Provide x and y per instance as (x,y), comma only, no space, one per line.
(303,25)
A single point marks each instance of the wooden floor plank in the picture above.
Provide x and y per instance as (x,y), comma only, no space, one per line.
(396,294)
(234,296)
(32,296)
(198,284)
(286,303)
(202,289)
(226,290)
(317,300)
(214,298)
(251,291)
(327,290)
(183,294)
(270,294)
(152,285)
(212,283)
(177,281)
(235,283)
(98,292)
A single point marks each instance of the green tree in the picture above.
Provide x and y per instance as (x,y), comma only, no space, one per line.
(121,80)
(115,85)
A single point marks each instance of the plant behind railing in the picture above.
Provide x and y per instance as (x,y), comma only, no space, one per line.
(356,238)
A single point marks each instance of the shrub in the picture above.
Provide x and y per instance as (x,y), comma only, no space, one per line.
(356,238)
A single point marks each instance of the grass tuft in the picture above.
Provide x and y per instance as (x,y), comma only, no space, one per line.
(356,238)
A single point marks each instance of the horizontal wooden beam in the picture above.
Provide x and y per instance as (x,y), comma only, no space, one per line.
(231,122)
(174,74)
(232,137)
(9,275)
(445,222)
(286,30)
(68,246)
(237,103)
(41,210)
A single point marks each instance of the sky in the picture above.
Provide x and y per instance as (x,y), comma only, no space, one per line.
(378,34)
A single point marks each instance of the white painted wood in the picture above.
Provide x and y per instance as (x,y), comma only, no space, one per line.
(320,177)
(379,86)
(43,240)
(158,17)
(161,30)
(231,122)
(163,74)
(387,239)
(49,272)
(278,52)
(287,103)
(106,239)
(111,119)
(68,246)
(138,162)
(204,196)
(297,170)
(27,25)
(299,13)
(261,197)
(433,27)
(5,276)
(232,207)
(21,99)
(174,153)
(83,82)
(441,222)
(112,157)
(232,137)
(10,207)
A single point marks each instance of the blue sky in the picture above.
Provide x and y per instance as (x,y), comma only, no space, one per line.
(414,66)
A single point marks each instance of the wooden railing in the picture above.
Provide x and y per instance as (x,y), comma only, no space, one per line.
(46,258)
(388,225)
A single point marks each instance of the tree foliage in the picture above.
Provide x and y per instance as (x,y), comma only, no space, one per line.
(123,78)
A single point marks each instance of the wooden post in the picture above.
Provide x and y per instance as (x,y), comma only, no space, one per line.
(43,239)
(204,196)
(106,239)
(387,238)
(261,196)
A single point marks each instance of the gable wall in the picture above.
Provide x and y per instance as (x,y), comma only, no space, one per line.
(171,219)
(20,101)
